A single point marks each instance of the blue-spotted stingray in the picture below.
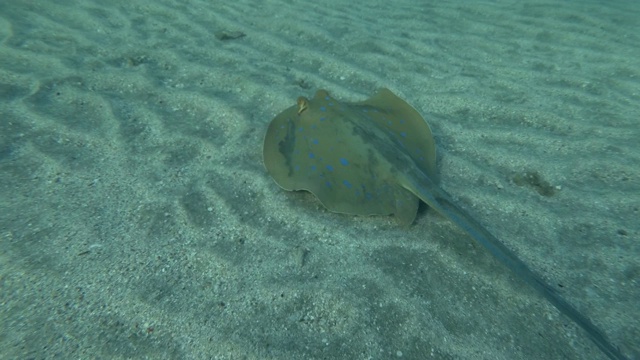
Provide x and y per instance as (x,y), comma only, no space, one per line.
(378,157)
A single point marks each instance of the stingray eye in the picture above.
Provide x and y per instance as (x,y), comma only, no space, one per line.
(302,104)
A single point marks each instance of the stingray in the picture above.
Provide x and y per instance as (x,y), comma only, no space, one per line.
(378,157)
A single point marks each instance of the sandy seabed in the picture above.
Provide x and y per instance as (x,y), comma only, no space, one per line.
(137,219)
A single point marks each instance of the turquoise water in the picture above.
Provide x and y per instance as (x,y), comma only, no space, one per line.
(137,219)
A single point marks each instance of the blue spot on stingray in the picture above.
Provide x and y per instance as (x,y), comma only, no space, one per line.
(401,121)
(403,134)
(328,183)
(314,141)
(300,129)
(322,108)
(329,167)
(314,168)
(368,196)
(347,183)
(327,98)
(323,118)
(296,168)
(344,161)
(312,155)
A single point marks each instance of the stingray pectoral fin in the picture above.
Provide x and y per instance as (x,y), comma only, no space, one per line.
(406,204)
(439,200)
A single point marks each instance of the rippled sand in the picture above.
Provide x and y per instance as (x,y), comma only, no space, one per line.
(137,220)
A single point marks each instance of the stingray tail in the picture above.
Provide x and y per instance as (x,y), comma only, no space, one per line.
(442,202)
